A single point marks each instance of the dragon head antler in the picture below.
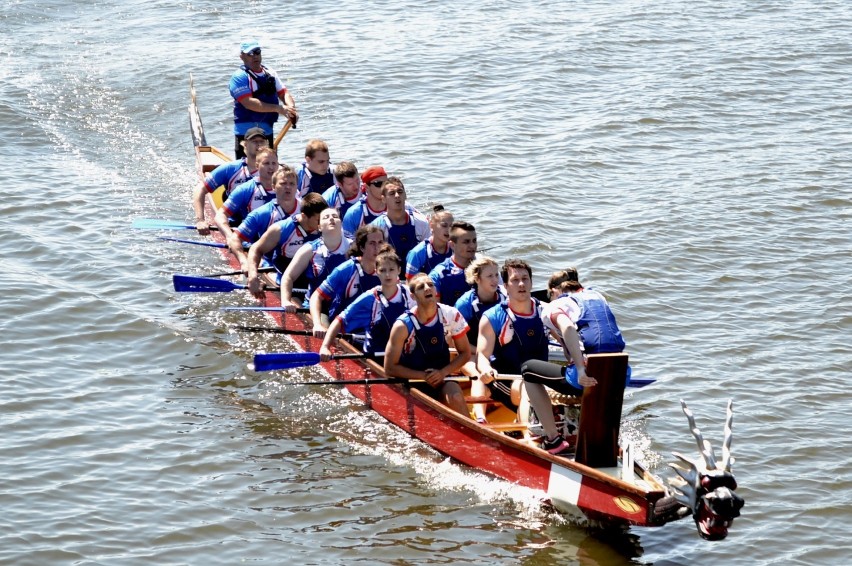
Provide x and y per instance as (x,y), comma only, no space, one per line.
(706,487)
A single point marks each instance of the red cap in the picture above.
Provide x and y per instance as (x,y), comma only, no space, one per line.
(373,173)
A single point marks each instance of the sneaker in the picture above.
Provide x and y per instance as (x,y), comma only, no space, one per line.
(557,445)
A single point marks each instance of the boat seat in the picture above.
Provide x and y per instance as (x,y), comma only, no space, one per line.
(503,427)
(483,400)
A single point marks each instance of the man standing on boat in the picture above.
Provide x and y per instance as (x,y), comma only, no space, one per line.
(229,175)
(448,276)
(418,348)
(259,97)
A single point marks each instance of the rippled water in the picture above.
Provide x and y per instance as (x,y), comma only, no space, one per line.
(691,158)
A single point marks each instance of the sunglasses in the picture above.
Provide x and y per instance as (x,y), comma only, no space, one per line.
(376,183)
(254,52)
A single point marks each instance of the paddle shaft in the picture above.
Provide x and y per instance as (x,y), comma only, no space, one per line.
(231,273)
(369,381)
(274,330)
(282,133)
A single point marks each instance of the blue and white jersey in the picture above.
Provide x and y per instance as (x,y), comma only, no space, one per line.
(449,281)
(258,221)
(376,313)
(228,175)
(403,237)
(309,182)
(428,344)
(423,258)
(266,87)
(336,199)
(323,261)
(344,284)
(247,197)
(590,314)
(293,237)
(472,308)
(358,215)
(520,337)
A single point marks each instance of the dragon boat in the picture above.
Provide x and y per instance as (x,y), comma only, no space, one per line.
(601,482)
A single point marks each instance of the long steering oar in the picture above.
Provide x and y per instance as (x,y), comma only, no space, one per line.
(290,360)
(157,224)
(282,133)
(195,242)
(190,284)
(275,330)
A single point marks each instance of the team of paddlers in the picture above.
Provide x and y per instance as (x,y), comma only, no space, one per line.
(342,241)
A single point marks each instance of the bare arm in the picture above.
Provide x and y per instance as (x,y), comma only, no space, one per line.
(572,343)
(297,267)
(198,207)
(484,348)
(264,245)
(316,313)
(393,351)
(221,221)
(235,245)
(330,337)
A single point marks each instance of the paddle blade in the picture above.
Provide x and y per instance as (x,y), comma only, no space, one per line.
(189,284)
(285,360)
(157,224)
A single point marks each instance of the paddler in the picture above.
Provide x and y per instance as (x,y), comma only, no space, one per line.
(354,276)
(249,196)
(426,255)
(511,333)
(315,176)
(228,175)
(346,191)
(403,230)
(419,345)
(259,220)
(315,260)
(371,204)
(449,276)
(374,311)
(284,239)
(259,97)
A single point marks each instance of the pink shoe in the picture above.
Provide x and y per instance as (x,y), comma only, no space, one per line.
(557,445)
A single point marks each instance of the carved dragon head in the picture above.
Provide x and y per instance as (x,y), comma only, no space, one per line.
(705,487)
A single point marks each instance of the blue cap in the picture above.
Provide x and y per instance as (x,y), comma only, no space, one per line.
(247,46)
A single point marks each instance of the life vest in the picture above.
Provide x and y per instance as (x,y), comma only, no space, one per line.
(476,309)
(265,92)
(426,347)
(323,261)
(596,325)
(359,282)
(402,237)
(518,338)
(384,316)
